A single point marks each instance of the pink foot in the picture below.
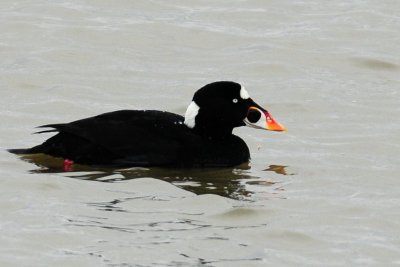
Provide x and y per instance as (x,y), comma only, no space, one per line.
(68,165)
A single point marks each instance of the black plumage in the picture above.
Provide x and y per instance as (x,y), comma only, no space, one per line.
(157,138)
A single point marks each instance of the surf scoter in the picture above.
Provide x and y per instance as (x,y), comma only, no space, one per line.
(202,138)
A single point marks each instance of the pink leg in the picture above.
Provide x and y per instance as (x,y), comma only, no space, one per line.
(68,165)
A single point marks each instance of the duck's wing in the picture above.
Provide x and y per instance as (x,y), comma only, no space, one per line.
(127,137)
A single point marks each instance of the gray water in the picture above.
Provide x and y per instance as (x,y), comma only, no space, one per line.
(326,193)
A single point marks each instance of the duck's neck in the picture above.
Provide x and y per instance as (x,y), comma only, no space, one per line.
(213,131)
(207,123)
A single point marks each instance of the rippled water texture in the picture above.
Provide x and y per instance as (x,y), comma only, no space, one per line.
(326,193)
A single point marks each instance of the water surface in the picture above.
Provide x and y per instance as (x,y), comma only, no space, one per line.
(326,193)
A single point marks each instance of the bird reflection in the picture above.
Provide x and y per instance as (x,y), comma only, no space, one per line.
(277,169)
(227,182)
(223,181)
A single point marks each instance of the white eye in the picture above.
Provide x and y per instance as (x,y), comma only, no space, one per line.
(235,100)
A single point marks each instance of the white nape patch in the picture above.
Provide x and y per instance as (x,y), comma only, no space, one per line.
(190,114)
(243,93)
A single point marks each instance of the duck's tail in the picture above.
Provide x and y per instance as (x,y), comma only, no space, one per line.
(19,151)
(25,151)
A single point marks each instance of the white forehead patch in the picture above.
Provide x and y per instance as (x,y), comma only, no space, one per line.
(243,93)
(190,114)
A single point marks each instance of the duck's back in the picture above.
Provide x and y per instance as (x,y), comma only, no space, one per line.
(126,137)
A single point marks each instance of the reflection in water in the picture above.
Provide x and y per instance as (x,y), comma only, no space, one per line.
(228,182)
(278,169)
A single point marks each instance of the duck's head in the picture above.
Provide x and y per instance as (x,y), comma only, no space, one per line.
(219,107)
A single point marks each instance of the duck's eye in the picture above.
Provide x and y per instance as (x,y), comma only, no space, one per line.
(235,100)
